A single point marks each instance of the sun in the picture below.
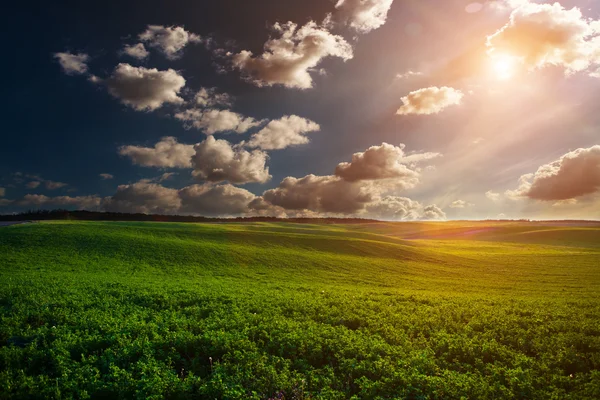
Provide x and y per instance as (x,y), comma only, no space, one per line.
(503,66)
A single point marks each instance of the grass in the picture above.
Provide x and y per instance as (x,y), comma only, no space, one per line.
(274,310)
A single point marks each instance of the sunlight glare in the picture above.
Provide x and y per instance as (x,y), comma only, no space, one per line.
(503,66)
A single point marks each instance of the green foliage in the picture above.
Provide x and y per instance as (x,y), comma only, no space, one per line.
(108,310)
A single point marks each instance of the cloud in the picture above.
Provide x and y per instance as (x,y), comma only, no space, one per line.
(548,34)
(136,51)
(284,132)
(145,89)
(169,40)
(575,174)
(33,184)
(167,153)
(430,100)
(143,197)
(408,74)
(52,185)
(493,196)
(209,97)
(217,161)
(289,58)
(394,208)
(39,200)
(215,200)
(325,194)
(212,121)
(459,204)
(2,192)
(382,162)
(106,176)
(363,15)
(73,64)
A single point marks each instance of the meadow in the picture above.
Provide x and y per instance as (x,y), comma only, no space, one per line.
(454,310)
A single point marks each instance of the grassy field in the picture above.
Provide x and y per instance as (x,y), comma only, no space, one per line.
(110,310)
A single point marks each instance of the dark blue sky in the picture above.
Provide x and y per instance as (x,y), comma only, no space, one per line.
(64,128)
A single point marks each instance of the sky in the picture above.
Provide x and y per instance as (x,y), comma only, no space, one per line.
(386,109)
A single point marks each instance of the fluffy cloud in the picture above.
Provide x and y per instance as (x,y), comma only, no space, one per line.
(395,208)
(73,64)
(212,121)
(52,185)
(548,34)
(575,174)
(288,59)
(33,184)
(325,194)
(460,204)
(284,132)
(167,153)
(215,200)
(430,100)
(382,162)
(493,196)
(106,176)
(209,97)
(363,15)
(145,89)
(143,197)
(217,161)
(38,200)
(136,51)
(169,40)
(433,212)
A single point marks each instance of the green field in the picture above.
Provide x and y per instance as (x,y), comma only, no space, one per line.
(478,310)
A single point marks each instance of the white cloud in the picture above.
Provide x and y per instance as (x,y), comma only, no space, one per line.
(408,74)
(288,59)
(460,204)
(209,97)
(363,15)
(215,200)
(217,161)
(383,162)
(434,213)
(575,174)
(73,64)
(169,40)
(106,176)
(394,208)
(145,89)
(430,100)
(143,197)
(167,153)
(136,51)
(212,121)
(493,196)
(284,132)
(548,34)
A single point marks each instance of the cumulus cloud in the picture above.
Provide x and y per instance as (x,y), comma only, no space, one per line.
(382,162)
(328,194)
(289,58)
(217,160)
(363,15)
(548,34)
(145,89)
(284,132)
(210,97)
(167,153)
(493,196)
(136,51)
(434,213)
(73,64)
(430,100)
(460,204)
(143,197)
(215,200)
(394,208)
(169,40)
(38,200)
(106,176)
(573,175)
(212,121)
